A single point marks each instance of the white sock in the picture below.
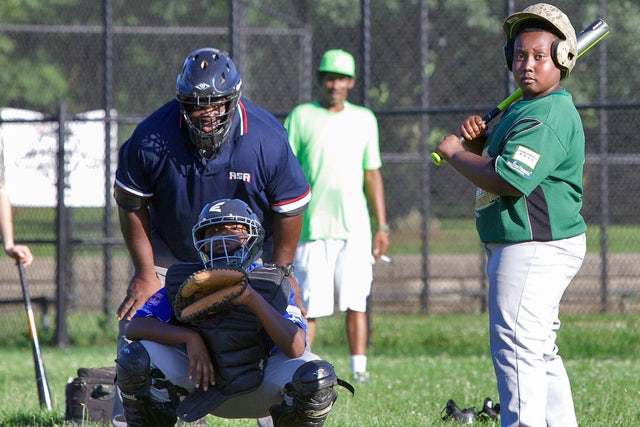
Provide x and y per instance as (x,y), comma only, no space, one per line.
(358,363)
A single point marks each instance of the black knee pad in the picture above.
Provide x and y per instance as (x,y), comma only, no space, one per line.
(309,396)
(133,369)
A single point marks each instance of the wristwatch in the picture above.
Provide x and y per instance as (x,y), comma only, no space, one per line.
(286,269)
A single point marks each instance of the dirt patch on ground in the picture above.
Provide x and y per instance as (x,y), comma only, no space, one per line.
(456,284)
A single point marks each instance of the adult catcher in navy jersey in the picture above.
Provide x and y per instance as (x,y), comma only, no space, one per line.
(228,339)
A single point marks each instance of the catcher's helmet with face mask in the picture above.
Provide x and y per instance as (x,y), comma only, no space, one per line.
(228,249)
(209,81)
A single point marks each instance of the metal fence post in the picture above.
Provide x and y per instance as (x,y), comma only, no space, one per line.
(62,235)
(425,154)
(604,172)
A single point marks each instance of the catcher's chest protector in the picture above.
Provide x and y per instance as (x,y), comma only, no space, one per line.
(235,337)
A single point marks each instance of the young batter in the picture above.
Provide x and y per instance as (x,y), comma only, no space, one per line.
(529,177)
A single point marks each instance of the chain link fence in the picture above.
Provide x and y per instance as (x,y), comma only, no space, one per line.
(422,66)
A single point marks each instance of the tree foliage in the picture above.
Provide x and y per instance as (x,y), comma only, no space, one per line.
(464,47)
(444,57)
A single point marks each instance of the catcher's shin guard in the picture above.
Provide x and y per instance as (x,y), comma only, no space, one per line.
(135,378)
(309,396)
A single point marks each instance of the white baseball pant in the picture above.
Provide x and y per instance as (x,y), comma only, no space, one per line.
(526,282)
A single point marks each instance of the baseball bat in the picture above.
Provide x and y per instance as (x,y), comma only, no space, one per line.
(587,38)
(44,393)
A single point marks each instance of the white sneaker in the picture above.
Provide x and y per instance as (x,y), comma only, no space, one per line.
(361,377)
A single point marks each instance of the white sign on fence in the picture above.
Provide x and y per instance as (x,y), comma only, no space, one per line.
(30,153)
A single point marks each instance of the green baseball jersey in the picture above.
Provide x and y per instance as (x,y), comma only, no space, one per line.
(334,149)
(539,148)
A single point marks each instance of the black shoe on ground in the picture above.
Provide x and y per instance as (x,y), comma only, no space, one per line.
(453,412)
(489,410)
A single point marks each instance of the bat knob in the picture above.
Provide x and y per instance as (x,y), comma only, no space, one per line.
(436,159)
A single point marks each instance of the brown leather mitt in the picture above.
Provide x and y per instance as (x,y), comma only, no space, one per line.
(207,292)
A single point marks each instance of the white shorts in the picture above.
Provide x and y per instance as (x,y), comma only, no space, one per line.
(325,267)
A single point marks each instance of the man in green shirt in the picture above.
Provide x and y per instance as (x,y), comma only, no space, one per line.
(336,143)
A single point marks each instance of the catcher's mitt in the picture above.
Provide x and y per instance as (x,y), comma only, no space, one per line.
(208,292)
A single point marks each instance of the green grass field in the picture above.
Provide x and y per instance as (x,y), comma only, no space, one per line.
(417,363)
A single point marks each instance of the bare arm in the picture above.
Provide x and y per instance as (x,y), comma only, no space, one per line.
(374,190)
(201,369)
(153,329)
(466,157)
(476,168)
(136,233)
(286,234)
(18,252)
(288,337)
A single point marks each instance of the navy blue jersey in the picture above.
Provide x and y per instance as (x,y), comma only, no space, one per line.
(255,164)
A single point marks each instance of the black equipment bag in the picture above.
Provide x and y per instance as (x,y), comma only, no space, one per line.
(90,396)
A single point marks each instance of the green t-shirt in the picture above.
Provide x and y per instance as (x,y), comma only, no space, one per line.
(334,150)
(539,148)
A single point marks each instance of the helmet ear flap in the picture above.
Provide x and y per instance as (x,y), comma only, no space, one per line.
(508,54)
(562,55)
